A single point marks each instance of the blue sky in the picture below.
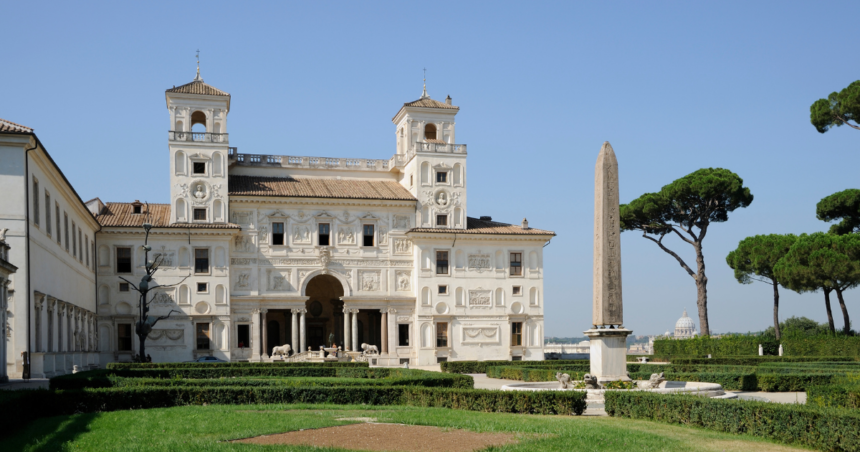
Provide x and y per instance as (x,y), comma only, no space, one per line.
(674,86)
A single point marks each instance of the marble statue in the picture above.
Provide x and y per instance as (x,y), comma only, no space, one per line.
(564,379)
(653,382)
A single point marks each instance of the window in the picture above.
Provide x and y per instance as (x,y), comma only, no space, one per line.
(94,255)
(516,334)
(201,260)
(277,233)
(430,132)
(136,208)
(199,168)
(516,264)
(243,336)
(443,289)
(74,241)
(35,201)
(86,242)
(199,214)
(368,235)
(57,211)
(80,246)
(66,228)
(442,177)
(324,231)
(123,337)
(442,334)
(202,287)
(123,260)
(441,262)
(123,287)
(517,290)
(403,334)
(47,212)
(202,336)
(411,179)
(441,220)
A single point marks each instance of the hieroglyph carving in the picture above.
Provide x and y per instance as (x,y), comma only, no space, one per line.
(479,299)
(369,280)
(402,246)
(404,280)
(607,308)
(480,262)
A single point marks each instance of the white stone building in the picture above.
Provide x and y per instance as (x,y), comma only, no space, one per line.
(262,250)
(685,328)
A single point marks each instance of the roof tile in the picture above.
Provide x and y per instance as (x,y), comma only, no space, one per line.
(9,126)
(121,214)
(476,226)
(197,87)
(317,188)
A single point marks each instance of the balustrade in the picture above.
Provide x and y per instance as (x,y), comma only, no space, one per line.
(201,137)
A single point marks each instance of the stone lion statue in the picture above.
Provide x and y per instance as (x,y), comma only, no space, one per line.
(590,381)
(564,379)
(369,349)
(653,382)
(283,350)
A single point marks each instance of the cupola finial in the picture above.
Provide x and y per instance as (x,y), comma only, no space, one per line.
(424,94)
(198,79)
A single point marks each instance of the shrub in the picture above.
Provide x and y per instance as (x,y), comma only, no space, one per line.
(27,405)
(828,429)
(756,360)
(843,396)
(791,382)
(121,366)
(736,345)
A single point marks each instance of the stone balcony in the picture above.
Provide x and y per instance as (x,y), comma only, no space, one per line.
(400,160)
(198,137)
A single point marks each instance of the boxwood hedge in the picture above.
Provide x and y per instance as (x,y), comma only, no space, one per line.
(829,429)
(119,366)
(834,395)
(24,406)
(480,367)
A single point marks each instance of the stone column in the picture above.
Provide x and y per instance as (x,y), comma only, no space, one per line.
(265,334)
(392,332)
(38,319)
(70,330)
(61,314)
(383,326)
(3,299)
(302,332)
(52,306)
(346,328)
(355,345)
(255,335)
(295,332)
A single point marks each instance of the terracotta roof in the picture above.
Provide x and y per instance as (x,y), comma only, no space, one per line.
(120,214)
(9,126)
(197,87)
(429,103)
(317,188)
(476,226)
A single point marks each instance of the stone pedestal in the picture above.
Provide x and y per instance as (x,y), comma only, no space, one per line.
(609,353)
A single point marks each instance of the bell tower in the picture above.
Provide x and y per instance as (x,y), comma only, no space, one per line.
(433,166)
(199,149)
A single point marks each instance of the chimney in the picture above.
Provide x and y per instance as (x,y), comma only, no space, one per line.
(486,218)
(525,223)
(448,100)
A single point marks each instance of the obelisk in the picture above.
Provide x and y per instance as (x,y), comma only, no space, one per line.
(608,337)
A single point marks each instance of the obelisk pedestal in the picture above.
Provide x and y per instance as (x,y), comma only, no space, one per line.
(608,337)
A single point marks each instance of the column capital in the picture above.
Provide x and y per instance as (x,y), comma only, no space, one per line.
(264,311)
(256,311)
(353,310)
(392,311)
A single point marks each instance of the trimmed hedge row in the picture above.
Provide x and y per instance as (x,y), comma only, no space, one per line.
(123,366)
(28,405)
(440,382)
(842,396)
(827,429)
(756,360)
(844,346)
(480,367)
(728,380)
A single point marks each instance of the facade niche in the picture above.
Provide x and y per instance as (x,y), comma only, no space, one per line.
(425,173)
(459,297)
(500,297)
(179,164)
(533,296)
(217,164)
(425,296)
(180,211)
(458,174)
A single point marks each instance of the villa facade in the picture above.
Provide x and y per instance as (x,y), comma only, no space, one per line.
(260,250)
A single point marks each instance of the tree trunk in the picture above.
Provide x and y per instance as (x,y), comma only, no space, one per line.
(829,312)
(847,328)
(702,291)
(142,339)
(776,308)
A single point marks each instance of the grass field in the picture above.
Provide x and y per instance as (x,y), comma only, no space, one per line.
(204,428)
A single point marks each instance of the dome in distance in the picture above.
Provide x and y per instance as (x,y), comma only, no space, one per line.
(685,322)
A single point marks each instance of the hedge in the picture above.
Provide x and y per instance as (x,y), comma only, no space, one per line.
(480,367)
(119,366)
(844,346)
(25,406)
(731,381)
(756,360)
(107,378)
(829,429)
(843,396)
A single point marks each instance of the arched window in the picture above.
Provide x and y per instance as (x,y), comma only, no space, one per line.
(198,121)
(430,132)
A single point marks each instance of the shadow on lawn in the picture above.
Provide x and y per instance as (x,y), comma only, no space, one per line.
(48,434)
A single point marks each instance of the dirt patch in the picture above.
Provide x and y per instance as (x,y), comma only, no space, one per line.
(389,437)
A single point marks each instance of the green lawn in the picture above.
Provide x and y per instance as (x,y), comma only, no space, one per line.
(200,428)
